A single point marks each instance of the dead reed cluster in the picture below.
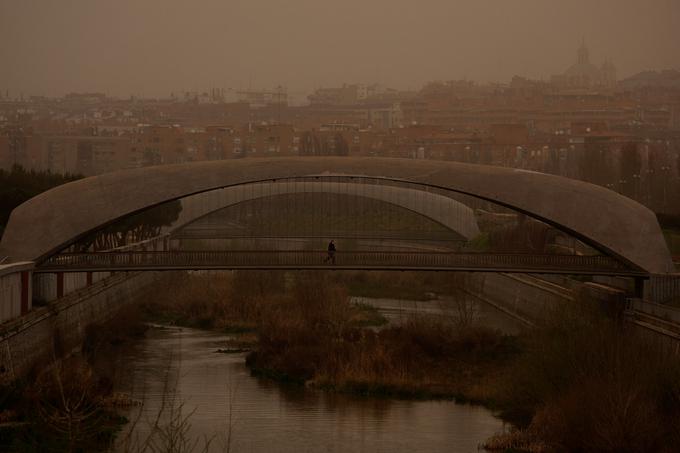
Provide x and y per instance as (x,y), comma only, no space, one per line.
(578,382)
(65,408)
(588,383)
(312,337)
(223,301)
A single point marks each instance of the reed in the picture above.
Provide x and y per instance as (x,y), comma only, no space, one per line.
(578,382)
(312,338)
(587,383)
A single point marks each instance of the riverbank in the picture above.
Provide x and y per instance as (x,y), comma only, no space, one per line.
(226,404)
(303,330)
(577,382)
(587,383)
(311,338)
(236,303)
(70,405)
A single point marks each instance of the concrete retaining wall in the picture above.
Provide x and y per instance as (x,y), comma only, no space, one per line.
(33,340)
(15,290)
(49,287)
(611,301)
(663,339)
(663,288)
(526,297)
(665,312)
(532,298)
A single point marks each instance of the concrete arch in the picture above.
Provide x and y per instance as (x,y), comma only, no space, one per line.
(616,225)
(446,211)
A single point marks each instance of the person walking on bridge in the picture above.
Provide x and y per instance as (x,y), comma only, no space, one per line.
(331,253)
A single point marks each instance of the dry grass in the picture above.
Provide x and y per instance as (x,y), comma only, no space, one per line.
(411,285)
(63,409)
(309,333)
(580,382)
(223,301)
(586,383)
(69,404)
(312,338)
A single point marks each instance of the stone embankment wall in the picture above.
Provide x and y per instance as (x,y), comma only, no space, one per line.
(35,339)
(532,298)
(51,286)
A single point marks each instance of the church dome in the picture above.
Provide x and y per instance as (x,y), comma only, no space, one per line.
(583,69)
(586,69)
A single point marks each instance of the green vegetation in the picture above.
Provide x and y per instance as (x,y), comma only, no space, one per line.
(19,185)
(480,243)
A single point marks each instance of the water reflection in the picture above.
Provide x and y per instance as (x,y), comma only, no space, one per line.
(179,368)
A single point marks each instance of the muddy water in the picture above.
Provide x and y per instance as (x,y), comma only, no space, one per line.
(210,399)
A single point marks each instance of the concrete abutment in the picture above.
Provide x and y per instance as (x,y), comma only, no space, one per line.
(32,341)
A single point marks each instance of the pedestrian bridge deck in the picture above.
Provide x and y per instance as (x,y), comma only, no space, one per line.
(355,260)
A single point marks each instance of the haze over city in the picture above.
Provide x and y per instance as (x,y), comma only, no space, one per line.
(353,226)
(156,47)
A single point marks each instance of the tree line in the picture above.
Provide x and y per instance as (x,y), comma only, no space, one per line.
(18,185)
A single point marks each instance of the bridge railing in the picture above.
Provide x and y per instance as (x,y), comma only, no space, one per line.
(223,233)
(312,259)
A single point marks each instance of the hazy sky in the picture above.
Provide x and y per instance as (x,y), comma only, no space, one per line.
(154,47)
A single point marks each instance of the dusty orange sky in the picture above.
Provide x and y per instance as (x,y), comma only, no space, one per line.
(154,47)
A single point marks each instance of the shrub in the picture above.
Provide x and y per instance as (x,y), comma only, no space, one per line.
(586,383)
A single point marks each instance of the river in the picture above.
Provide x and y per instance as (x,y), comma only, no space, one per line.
(180,376)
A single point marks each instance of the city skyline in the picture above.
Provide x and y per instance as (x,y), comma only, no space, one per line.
(52,49)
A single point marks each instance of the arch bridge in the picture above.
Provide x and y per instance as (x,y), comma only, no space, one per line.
(278,213)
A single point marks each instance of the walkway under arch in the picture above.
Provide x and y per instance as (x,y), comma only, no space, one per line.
(612,223)
(446,211)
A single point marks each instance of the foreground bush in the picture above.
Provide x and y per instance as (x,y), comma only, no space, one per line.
(586,383)
(66,408)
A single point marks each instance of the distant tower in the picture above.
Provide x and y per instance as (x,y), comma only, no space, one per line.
(583,54)
(584,74)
